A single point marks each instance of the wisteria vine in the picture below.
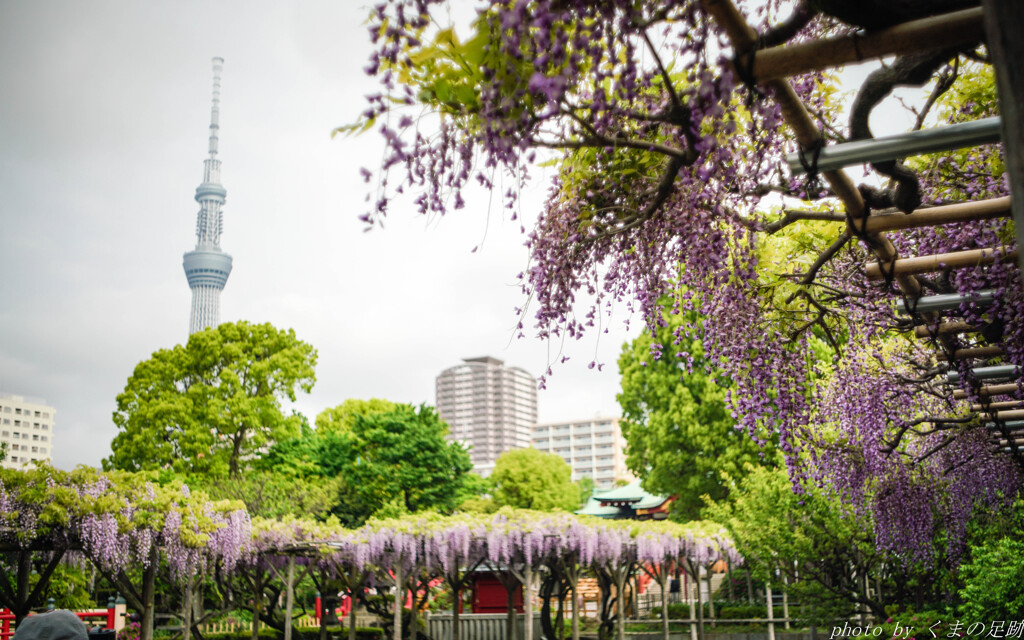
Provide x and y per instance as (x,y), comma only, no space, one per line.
(669,184)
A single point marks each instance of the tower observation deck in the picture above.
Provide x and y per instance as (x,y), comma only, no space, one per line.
(207,267)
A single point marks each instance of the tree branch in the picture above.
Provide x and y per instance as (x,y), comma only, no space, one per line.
(826,255)
(792,216)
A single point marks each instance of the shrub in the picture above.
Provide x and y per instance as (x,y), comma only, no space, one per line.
(362,633)
(994,580)
(742,611)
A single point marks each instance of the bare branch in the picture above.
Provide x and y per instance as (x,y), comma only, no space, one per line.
(826,255)
(600,141)
(661,69)
(792,216)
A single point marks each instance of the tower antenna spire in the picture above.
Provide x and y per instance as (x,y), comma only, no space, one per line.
(207,268)
(218,67)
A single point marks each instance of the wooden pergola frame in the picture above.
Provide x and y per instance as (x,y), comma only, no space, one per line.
(999,23)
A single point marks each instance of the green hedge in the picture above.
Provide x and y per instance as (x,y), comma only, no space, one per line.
(742,611)
(723,611)
(362,633)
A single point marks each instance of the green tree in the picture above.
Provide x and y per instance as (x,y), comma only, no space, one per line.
(824,547)
(212,404)
(681,437)
(532,479)
(586,487)
(270,494)
(993,579)
(386,459)
(343,417)
(404,454)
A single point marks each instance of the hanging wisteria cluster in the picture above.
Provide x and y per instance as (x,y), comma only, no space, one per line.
(669,183)
(135,531)
(119,522)
(508,538)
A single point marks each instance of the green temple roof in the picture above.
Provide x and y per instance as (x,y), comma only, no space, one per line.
(622,502)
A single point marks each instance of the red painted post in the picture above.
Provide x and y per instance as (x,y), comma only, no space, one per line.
(316,608)
(111,613)
(5,629)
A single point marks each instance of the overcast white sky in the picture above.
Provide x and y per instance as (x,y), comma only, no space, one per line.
(103,129)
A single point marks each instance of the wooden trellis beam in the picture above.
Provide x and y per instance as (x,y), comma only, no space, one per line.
(989,390)
(1005,404)
(1016,414)
(1003,20)
(946,214)
(944,329)
(940,261)
(744,39)
(978,352)
(950,29)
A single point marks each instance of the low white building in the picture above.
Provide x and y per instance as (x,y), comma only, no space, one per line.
(26,426)
(593,448)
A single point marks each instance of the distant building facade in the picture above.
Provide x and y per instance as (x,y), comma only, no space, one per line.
(593,448)
(490,408)
(26,427)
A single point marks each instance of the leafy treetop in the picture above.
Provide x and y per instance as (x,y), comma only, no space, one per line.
(210,405)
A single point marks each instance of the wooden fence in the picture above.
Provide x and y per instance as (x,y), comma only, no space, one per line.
(476,626)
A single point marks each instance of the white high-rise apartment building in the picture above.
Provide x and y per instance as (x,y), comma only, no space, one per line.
(26,426)
(593,448)
(490,408)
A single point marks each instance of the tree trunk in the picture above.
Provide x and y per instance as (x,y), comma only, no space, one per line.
(527,604)
(573,582)
(24,575)
(510,609)
(324,603)
(785,599)
(352,618)
(700,606)
(354,589)
(186,611)
(663,581)
(711,598)
(289,599)
(257,602)
(728,576)
(620,619)
(236,454)
(149,596)
(456,602)
(414,630)
(399,589)
(21,600)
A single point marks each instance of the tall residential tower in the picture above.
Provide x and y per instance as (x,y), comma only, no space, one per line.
(208,268)
(490,407)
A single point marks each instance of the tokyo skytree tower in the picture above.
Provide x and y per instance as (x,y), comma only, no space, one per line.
(208,268)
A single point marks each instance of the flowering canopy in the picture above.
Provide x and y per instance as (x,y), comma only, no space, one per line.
(120,521)
(507,538)
(669,182)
